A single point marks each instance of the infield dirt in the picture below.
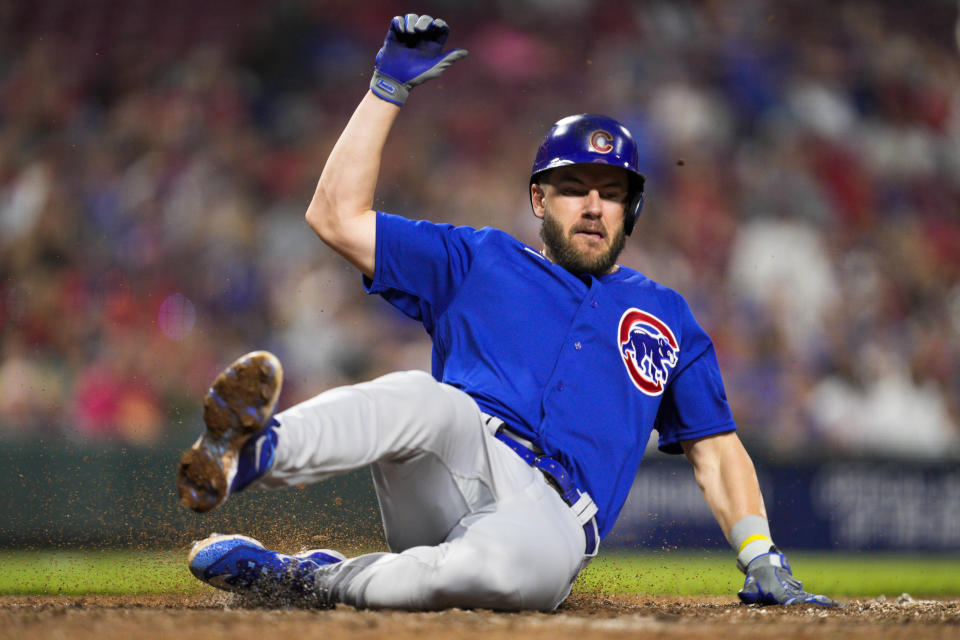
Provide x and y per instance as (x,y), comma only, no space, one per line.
(215,617)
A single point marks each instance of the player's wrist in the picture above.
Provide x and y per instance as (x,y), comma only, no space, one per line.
(750,538)
(389,89)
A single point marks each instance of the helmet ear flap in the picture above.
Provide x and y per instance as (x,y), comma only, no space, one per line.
(632,210)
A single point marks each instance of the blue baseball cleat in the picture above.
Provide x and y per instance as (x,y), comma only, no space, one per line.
(241,436)
(243,565)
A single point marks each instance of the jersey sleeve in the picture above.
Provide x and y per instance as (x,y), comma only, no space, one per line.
(419,265)
(694,403)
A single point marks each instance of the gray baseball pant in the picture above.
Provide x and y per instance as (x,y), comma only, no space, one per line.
(469,523)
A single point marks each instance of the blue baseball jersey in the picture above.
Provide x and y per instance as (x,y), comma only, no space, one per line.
(583,366)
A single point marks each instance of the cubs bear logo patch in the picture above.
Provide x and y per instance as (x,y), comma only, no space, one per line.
(649,350)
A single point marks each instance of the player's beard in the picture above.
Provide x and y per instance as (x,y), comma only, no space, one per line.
(572,259)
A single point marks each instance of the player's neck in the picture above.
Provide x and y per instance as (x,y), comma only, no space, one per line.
(545,252)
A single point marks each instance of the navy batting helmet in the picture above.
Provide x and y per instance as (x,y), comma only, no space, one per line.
(590,138)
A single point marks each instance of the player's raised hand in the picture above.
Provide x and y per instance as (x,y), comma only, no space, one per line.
(412,53)
(770,581)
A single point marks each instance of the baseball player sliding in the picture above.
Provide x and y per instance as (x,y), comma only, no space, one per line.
(499,475)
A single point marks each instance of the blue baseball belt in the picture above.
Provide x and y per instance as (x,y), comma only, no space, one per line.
(580,502)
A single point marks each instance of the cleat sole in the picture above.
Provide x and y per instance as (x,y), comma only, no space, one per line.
(237,406)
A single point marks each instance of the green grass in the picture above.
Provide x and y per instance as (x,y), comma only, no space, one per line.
(714,573)
(654,573)
(95,572)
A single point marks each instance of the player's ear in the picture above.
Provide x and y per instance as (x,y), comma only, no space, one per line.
(537,197)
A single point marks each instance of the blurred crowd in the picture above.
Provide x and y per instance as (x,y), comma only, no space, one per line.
(156,160)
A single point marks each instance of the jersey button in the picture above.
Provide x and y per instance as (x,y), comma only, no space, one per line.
(560,386)
(577,346)
(594,304)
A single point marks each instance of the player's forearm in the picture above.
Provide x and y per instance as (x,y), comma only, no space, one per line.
(341,211)
(727,478)
(349,178)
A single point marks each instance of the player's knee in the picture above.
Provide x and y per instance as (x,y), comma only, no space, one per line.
(492,580)
(417,388)
(482,584)
(413,386)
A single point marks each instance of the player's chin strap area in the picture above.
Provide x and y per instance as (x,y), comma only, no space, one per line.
(557,477)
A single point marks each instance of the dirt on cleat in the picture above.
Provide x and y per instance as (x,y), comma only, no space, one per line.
(201,482)
(238,405)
